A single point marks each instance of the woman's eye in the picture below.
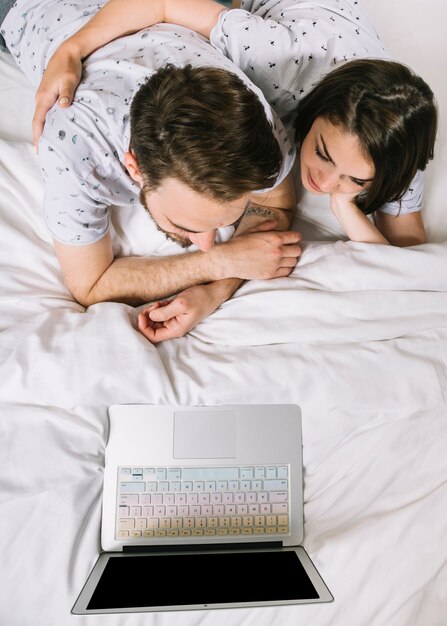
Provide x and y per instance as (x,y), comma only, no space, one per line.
(320,155)
(360,183)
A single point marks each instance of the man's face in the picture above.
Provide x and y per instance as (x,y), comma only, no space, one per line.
(187,217)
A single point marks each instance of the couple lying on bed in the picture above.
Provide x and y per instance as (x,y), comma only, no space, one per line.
(202,125)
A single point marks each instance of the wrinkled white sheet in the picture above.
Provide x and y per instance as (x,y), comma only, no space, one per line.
(357,336)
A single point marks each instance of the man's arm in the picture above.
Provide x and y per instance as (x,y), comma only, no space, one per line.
(93,275)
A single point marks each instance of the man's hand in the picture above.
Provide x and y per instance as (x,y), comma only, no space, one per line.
(59,82)
(169,319)
(262,254)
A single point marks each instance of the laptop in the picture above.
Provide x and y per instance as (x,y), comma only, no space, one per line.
(202,509)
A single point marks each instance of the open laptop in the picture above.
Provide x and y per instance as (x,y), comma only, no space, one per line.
(202,508)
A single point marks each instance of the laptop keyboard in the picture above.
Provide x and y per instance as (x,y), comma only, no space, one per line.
(202,501)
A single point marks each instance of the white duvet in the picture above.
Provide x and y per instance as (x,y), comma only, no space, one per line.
(357,336)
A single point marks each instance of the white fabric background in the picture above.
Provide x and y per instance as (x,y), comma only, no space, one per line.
(357,336)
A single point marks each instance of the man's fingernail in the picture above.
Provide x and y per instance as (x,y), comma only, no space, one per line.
(63,100)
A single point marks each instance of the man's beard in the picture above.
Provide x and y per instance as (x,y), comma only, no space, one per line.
(183,242)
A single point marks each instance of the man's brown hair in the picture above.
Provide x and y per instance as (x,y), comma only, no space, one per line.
(204,127)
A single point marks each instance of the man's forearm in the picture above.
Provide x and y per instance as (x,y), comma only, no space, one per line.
(136,280)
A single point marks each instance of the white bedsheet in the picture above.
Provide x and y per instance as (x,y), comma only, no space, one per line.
(357,336)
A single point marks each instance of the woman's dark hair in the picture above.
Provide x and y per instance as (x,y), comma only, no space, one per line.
(204,127)
(390,109)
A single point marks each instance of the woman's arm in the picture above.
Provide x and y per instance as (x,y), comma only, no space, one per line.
(115,19)
(401,230)
(355,223)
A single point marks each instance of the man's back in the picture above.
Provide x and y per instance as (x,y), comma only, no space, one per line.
(81,150)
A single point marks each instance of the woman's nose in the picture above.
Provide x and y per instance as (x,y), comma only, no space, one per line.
(204,241)
(328,182)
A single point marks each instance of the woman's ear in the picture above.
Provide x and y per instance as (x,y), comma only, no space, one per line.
(131,163)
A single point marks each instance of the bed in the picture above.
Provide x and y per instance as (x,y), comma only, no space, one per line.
(357,336)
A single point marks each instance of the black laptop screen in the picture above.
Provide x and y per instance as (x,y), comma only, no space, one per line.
(201,579)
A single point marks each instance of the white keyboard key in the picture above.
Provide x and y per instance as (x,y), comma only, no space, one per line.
(126,524)
(128,499)
(160,473)
(270,472)
(171,511)
(276,485)
(247,473)
(282,472)
(133,487)
(149,473)
(135,511)
(260,472)
(279,508)
(174,473)
(278,496)
(210,473)
(123,511)
(140,523)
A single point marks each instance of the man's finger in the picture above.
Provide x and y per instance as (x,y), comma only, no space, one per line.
(289,236)
(167,312)
(291,250)
(43,105)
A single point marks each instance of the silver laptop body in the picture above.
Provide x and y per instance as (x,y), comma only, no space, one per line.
(208,489)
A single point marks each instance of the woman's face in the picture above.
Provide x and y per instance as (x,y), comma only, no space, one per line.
(332,161)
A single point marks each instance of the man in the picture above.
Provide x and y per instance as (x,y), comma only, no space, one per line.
(193,141)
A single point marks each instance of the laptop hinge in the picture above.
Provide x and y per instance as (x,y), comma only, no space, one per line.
(189,547)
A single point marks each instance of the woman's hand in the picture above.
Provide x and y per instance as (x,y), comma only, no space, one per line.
(62,76)
(355,223)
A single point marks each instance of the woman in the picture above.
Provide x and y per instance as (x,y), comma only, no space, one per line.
(365,131)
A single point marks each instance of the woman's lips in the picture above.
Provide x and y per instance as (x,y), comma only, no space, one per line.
(313,184)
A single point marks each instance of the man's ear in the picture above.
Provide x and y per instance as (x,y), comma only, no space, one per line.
(131,163)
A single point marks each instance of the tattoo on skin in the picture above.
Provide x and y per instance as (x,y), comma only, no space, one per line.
(260,211)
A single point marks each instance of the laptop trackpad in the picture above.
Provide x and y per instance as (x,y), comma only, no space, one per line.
(205,434)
